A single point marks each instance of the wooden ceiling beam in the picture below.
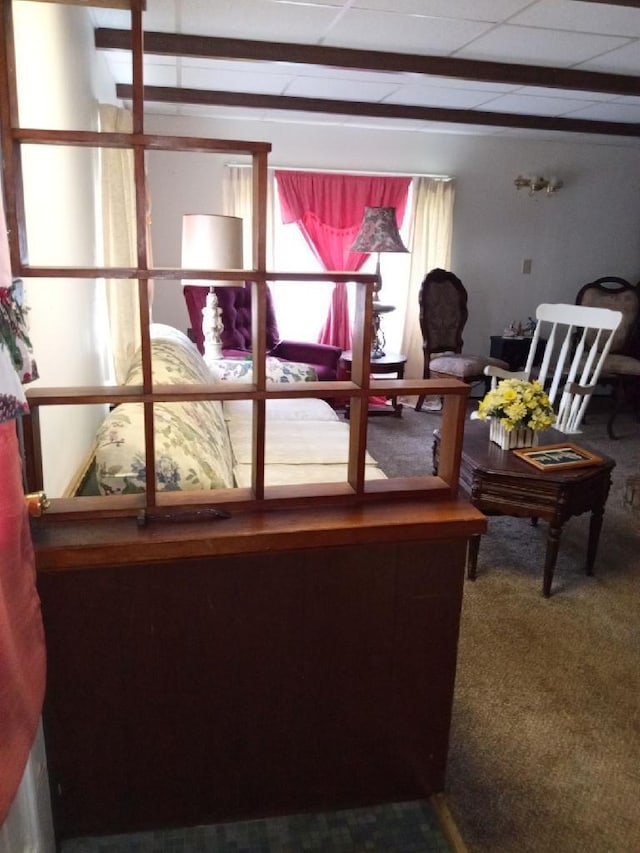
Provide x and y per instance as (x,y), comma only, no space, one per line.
(204,97)
(209,47)
(633,3)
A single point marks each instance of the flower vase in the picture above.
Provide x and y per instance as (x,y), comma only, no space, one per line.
(508,440)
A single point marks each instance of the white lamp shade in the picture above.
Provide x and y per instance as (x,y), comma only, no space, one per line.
(211,242)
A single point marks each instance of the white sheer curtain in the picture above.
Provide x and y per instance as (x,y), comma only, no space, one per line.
(237,200)
(119,239)
(430,239)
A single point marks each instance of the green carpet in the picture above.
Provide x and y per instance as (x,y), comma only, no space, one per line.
(395,828)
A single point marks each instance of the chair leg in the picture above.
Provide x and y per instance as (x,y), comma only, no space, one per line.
(426,374)
(618,400)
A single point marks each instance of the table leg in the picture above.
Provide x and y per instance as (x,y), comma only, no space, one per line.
(553,544)
(595,526)
(472,556)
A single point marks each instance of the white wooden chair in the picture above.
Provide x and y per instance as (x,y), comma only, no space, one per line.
(577,339)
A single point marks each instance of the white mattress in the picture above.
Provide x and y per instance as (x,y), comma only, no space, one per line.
(288,475)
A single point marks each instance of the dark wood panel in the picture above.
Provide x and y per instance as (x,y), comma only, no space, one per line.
(206,689)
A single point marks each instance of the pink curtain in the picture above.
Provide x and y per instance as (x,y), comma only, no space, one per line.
(328,209)
(22,649)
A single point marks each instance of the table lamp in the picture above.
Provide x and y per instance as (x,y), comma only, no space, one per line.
(378,233)
(211,242)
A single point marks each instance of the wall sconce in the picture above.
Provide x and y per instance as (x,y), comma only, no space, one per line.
(537,183)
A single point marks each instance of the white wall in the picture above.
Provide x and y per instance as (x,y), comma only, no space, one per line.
(66,319)
(588,229)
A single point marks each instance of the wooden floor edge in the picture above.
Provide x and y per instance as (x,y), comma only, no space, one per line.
(447,823)
(73,486)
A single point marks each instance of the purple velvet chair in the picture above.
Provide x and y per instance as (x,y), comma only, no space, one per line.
(235,303)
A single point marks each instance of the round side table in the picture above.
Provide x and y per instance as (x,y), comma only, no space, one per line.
(389,363)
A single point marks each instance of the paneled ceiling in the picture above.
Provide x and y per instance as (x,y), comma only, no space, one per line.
(554,69)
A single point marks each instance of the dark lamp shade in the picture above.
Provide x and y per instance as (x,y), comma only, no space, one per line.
(379,232)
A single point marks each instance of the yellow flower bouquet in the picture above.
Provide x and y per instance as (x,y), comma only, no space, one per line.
(518,404)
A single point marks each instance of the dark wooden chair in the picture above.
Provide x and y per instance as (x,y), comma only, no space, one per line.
(443,315)
(621,370)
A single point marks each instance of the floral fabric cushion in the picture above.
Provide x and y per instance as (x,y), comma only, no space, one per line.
(193,450)
(241,370)
(464,366)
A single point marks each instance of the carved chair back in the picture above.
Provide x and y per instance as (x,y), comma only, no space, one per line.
(622,367)
(443,312)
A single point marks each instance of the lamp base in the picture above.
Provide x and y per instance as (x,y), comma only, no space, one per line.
(378,340)
(212,328)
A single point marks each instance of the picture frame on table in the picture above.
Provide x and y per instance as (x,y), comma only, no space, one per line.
(558,457)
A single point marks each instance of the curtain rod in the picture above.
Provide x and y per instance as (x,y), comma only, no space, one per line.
(374,173)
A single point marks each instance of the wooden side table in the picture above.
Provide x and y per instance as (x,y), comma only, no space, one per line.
(499,483)
(515,350)
(389,363)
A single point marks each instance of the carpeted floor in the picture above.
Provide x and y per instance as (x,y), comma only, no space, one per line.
(545,740)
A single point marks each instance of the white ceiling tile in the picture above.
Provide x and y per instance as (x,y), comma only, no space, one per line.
(626,100)
(294,117)
(160,15)
(226,81)
(223,113)
(531,105)
(609,112)
(371,122)
(577,95)
(316,87)
(109,18)
(492,11)
(155,74)
(431,96)
(163,110)
(538,47)
(255,19)
(458,83)
(394,78)
(603,18)
(624,60)
(564,33)
(403,33)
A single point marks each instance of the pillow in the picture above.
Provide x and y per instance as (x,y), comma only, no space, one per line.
(241,370)
(192,446)
(232,370)
(174,360)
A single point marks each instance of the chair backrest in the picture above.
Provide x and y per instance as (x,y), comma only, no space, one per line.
(619,295)
(235,304)
(443,311)
(578,339)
